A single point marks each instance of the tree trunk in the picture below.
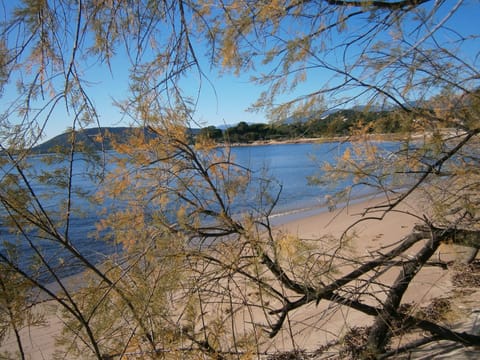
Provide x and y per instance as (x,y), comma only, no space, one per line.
(381,330)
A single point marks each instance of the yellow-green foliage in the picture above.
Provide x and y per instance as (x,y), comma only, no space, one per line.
(189,264)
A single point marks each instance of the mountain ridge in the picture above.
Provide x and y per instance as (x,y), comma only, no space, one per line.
(316,125)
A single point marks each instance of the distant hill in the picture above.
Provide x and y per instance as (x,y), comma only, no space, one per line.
(92,139)
(337,122)
(224,127)
(87,139)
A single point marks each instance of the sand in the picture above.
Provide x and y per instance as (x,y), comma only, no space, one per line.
(315,325)
(430,283)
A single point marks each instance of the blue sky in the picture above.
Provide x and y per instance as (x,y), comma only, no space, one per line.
(222,100)
(225,104)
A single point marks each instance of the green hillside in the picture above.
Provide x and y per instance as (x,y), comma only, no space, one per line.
(88,139)
(93,139)
(338,123)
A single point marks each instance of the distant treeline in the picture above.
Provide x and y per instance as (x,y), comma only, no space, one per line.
(339,123)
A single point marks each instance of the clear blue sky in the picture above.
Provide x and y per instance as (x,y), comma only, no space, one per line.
(234,94)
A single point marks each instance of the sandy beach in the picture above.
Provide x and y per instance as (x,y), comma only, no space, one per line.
(320,326)
(315,325)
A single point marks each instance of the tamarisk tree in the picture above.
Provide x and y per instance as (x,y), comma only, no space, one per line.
(196,267)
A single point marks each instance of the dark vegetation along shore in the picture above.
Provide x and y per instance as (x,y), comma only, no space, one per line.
(317,126)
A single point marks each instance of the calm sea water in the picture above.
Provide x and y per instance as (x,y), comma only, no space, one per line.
(289,164)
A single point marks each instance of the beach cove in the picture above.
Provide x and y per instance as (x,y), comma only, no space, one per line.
(314,325)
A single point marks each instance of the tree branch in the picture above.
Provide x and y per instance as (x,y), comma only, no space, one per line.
(387,5)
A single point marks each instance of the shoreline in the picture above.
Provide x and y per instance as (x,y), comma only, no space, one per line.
(316,140)
(344,138)
(310,321)
(296,214)
(39,342)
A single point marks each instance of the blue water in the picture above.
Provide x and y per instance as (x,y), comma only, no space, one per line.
(288,164)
